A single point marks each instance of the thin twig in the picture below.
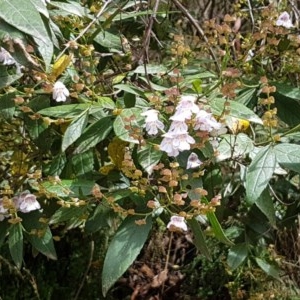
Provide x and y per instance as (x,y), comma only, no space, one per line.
(86,271)
(251,14)
(199,30)
(82,33)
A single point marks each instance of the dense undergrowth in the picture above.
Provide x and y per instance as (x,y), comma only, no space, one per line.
(149,150)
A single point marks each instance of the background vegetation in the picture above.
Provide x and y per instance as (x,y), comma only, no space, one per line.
(93,173)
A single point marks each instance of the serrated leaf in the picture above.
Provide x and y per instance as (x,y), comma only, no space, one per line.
(24,16)
(15,243)
(148,157)
(126,121)
(266,206)
(237,255)
(288,156)
(94,134)
(199,238)
(260,172)
(128,241)
(269,269)
(74,130)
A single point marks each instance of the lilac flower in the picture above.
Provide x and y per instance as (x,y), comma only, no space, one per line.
(183,141)
(167,144)
(185,108)
(193,161)
(177,223)
(6,58)
(60,92)
(206,122)
(284,20)
(26,202)
(152,123)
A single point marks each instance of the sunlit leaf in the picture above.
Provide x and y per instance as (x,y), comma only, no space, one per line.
(148,157)
(260,172)
(237,255)
(15,243)
(128,241)
(288,156)
(266,205)
(269,269)
(60,65)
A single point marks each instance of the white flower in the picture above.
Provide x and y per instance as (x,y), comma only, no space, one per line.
(177,223)
(178,127)
(152,123)
(26,202)
(167,145)
(182,141)
(60,92)
(3,211)
(284,20)
(185,108)
(193,161)
(6,58)
(250,55)
(206,122)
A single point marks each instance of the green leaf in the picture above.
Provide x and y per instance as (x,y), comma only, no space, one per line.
(237,255)
(69,188)
(260,172)
(199,238)
(288,109)
(102,218)
(6,78)
(94,134)
(108,40)
(83,163)
(7,106)
(246,96)
(197,85)
(217,229)
(24,16)
(64,214)
(288,156)
(269,269)
(287,90)
(148,157)
(129,100)
(266,205)
(45,49)
(126,121)
(44,244)
(15,243)
(123,250)
(236,109)
(151,69)
(130,89)
(57,164)
(74,130)
(66,111)
(71,8)
(232,146)
(3,231)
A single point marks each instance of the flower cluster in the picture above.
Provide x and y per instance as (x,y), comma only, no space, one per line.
(284,20)
(177,139)
(152,123)
(25,203)
(5,58)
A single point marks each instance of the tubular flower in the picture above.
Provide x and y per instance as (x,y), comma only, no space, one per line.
(185,108)
(193,161)
(284,20)
(60,92)
(177,223)
(5,57)
(26,202)
(206,122)
(167,144)
(152,123)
